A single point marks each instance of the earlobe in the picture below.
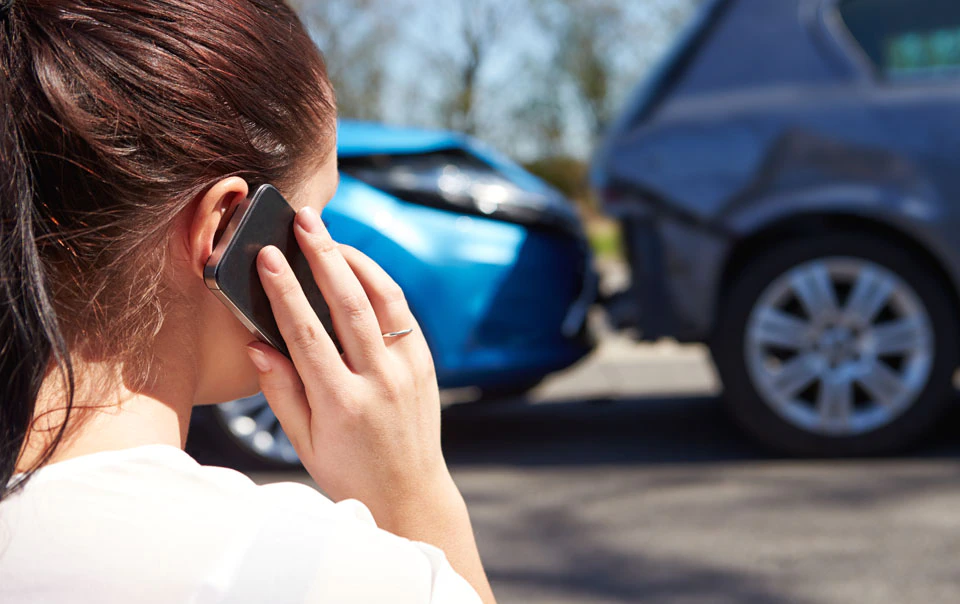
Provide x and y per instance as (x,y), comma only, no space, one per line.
(212,211)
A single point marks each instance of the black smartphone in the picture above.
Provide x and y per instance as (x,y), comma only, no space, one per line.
(263,218)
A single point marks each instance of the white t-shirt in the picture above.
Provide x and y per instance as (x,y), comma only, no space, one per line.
(150,524)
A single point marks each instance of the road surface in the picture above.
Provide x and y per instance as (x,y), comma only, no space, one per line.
(623,481)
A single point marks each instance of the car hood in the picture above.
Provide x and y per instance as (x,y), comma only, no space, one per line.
(357,139)
(367,138)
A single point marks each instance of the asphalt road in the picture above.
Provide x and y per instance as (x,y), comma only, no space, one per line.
(623,481)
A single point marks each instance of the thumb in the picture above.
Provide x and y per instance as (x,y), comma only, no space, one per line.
(284,391)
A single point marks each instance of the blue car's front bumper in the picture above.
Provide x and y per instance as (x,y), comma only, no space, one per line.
(500,303)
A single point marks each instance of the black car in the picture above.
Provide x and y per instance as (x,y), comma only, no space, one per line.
(789,188)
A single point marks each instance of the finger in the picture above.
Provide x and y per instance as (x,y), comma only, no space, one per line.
(353,317)
(310,346)
(284,391)
(386,297)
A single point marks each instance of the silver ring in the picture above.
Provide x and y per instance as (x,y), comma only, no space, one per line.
(397,334)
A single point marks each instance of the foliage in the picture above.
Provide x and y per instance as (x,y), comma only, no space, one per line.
(567,174)
(355,37)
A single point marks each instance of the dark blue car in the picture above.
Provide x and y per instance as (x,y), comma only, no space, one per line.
(789,187)
(494,263)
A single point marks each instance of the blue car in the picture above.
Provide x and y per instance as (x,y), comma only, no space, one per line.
(494,263)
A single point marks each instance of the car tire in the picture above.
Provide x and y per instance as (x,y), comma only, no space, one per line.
(851,407)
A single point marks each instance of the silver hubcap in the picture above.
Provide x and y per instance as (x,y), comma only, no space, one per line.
(254,426)
(839,346)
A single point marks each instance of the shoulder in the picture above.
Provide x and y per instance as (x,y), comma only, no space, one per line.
(336,553)
(215,533)
(310,549)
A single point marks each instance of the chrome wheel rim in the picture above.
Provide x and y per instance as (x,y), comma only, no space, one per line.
(253,425)
(839,346)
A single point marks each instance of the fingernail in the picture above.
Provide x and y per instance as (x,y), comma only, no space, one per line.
(259,359)
(272,259)
(309,220)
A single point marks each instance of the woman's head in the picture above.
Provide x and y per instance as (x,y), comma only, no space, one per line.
(122,125)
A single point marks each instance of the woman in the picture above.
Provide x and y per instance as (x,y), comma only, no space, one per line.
(129,131)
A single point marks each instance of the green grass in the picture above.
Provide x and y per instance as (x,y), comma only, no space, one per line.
(604,237)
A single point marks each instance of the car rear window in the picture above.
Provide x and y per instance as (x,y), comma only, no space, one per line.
(905,38)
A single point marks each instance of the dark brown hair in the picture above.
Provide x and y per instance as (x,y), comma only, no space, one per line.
(116,115)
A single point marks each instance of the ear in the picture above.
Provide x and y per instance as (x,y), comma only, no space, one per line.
(212,211)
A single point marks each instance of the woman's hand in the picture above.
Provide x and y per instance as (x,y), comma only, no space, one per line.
(366,424)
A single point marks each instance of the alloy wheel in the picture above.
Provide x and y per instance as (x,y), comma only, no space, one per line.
(839,346)
(252,424)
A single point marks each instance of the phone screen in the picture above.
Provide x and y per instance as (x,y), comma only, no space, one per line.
(265,218)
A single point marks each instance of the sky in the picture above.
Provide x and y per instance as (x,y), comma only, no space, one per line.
(426,38)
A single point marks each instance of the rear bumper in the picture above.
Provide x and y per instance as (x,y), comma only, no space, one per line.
(675,270)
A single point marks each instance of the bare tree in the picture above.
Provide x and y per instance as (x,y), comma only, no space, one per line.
(604,47)
(356,37)
(537,121)
(479,26)
(536,78)
(585,35)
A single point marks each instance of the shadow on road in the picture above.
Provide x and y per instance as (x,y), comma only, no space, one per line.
(588,569)
(665,500)
(617,431)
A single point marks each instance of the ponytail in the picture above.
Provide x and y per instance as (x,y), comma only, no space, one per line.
(31,338)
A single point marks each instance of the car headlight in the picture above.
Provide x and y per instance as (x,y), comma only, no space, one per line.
(458,181)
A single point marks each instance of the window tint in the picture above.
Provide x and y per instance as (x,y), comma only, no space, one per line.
(907,37)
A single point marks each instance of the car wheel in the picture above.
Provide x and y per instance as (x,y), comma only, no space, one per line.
(837,345)
(245,434)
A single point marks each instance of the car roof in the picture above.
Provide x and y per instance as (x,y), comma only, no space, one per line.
(764,42)
(738,44)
